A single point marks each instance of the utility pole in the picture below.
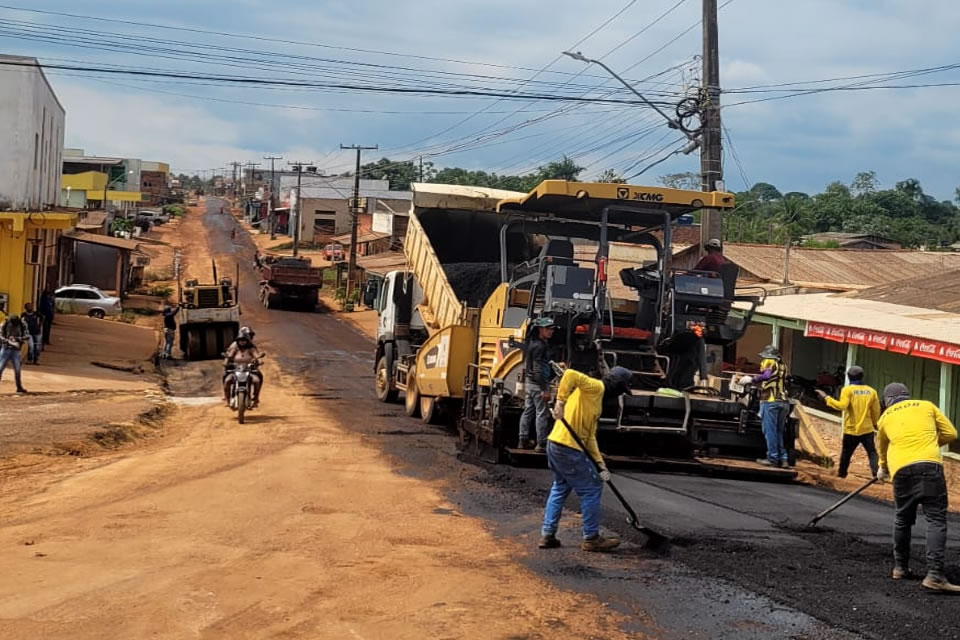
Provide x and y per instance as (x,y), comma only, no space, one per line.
(295,221)
(711,148)
(273,198)
(252,166)
(355,211)
(421,168)
(233,186)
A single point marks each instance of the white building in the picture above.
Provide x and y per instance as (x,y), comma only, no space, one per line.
(31,136)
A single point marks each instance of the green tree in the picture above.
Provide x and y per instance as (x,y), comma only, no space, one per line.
(398,174)
(864,182)
(563,169)
(611,176)
(687,180)
(765,191)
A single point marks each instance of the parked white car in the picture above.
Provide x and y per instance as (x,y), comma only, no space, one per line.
(86,300)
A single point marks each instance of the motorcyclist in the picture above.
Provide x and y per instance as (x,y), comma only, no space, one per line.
(242,351)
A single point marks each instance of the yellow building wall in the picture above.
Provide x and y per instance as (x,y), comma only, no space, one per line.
(86,181)
(19,280)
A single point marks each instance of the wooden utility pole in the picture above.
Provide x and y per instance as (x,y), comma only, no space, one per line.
(249,183)
(233,187)
(711,148)
(273,197)
(295,221)
(354,217)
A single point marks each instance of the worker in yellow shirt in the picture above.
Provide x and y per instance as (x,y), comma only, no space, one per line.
(861,411)
(910,434)
(580,402)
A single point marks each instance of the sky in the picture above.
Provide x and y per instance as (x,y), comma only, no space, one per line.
(798,144)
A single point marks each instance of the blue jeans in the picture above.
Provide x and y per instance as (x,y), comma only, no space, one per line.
(572,471)
(773,416)
(168,336)
(10,355)
(534,406)
(34,347)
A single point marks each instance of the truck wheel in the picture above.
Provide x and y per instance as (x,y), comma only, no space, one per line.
(429,410)
(193,344)
(210,343)
(385,390)
(411,397)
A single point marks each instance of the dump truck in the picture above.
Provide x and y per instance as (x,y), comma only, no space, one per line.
(208,316)
(289,283)
(482,265)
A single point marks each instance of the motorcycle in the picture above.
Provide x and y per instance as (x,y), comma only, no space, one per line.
(241,393)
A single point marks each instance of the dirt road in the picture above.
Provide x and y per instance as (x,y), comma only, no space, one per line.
(290,526)
(330,515)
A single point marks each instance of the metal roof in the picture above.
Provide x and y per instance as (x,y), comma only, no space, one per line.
(840,269)
(369,236)
(107,241)
(870,315)
(383,263)
(941,293)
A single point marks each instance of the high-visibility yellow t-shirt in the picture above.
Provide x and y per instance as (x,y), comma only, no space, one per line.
(912,431)
(861,409)
(583,403)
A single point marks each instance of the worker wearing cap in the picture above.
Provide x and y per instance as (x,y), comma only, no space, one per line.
(537,374)
(580,403)
(910,434)
(774,406)
(860,405)
(714,258)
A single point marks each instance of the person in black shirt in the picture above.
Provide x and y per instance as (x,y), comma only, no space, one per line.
(12,336)
(169,329)
(33,323)
(537,374)
(48,308)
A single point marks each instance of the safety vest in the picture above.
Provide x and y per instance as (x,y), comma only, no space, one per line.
(772,389)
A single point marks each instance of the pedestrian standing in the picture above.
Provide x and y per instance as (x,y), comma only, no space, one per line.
(12,336)
(860,405)
(774,406)
(33,324)
(910,435)
(48,309)
(580,403)
(169,329)
(537,373)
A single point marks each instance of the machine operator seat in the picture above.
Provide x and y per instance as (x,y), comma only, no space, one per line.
(559,250)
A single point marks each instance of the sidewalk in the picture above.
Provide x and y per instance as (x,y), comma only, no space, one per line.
(78,342)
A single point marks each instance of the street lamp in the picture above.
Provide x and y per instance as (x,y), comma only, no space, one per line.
(108,183)
(672,123)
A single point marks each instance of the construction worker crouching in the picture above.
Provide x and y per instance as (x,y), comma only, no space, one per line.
(910,434)
(774,407)
(580,403)
(861,412)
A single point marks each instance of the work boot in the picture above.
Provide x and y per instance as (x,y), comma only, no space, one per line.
(599,543)
(938,582)
(526,443)
(540,448)
(765,462)
(901,573)
(548,542)
(21,390)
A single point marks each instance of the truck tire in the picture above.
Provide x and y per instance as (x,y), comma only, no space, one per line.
(429,410)
(194,346)
(210,343)
(411,397)
(383,382)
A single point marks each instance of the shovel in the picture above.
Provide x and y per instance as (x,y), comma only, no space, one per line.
(839,503)
(654,538)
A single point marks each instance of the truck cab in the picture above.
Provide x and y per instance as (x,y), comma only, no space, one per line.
(400,329)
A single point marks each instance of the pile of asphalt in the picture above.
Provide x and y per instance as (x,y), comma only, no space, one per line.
(834,576)
(473,281)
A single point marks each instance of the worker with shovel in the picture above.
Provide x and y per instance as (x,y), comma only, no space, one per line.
(910,434)
(579,403)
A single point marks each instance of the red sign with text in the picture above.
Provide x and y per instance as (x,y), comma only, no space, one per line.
(894,343)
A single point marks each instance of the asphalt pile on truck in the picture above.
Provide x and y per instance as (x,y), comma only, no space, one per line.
(473,281)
